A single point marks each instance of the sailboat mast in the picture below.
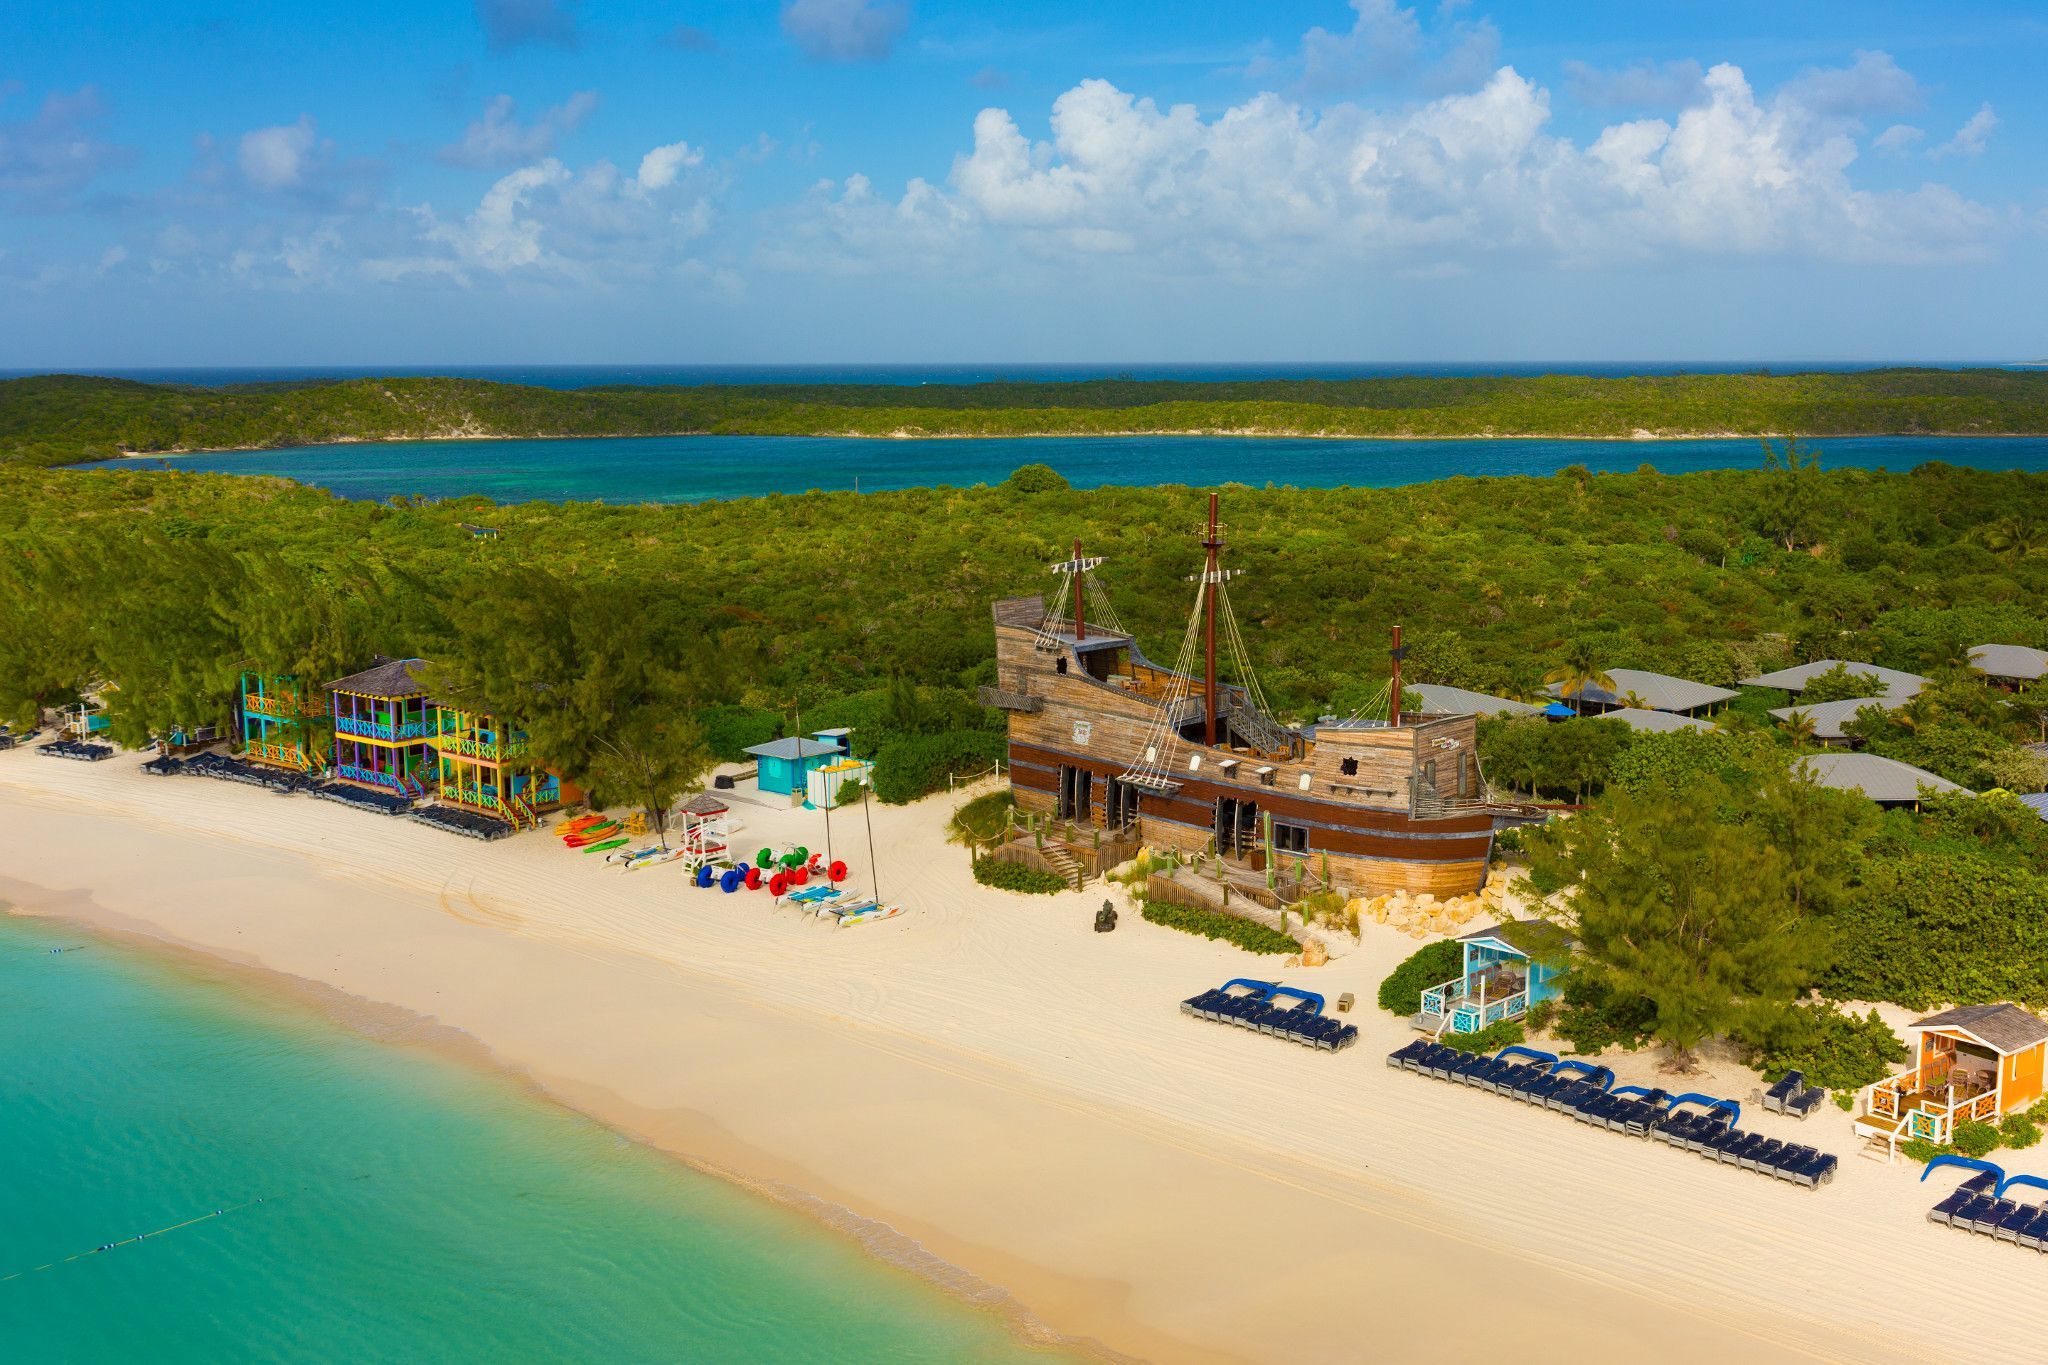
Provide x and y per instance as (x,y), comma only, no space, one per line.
(1080,595)
(1212,544)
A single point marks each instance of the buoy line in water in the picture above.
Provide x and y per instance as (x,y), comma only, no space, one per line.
(138,1237)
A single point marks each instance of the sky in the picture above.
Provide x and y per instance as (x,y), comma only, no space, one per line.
(805,181)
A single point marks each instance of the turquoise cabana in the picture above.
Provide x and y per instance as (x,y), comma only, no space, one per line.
(784,766)
(1509,969)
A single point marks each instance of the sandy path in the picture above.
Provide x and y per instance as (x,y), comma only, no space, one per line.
(1021,1096)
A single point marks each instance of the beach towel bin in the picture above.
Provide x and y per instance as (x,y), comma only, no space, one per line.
(1345,1002)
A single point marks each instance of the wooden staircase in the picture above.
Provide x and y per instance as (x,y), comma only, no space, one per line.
(1063,863)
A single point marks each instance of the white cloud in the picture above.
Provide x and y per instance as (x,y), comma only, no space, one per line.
(1898,139)
(845,30)
(1873,84)
(500,139)
(46,159)
(659,168)
(589,226)
(1272,189)
(278,158)
(1644,85)
(1970,139)
(1387,44)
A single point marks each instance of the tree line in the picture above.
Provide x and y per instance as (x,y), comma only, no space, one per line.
(61,419)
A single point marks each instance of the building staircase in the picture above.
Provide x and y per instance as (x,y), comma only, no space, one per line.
(1063,863)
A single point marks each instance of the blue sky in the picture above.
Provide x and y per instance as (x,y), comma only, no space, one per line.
(534,181)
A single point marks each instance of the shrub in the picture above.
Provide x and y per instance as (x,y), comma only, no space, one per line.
(1594,1018)
(1923,1151)
(1492,1038)
(982,820)
(918,765)
(1037,478)
(2017,1130)
(1976,1139)
(1249,935)
(1833,1049)
(729,730)
(1017,877)
(1401,992)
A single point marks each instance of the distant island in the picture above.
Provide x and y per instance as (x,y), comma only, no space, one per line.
(64,419)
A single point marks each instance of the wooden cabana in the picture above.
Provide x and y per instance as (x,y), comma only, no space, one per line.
(1975,1063)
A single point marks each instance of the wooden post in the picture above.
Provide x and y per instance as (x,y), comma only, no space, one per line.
(1212,545)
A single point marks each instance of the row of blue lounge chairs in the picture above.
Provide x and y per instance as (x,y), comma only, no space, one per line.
(1793,1097)
(1256,1005)
(474,824)
(71,748)
(1587,1093)
(1979,1205)
(363,798)
(241,770)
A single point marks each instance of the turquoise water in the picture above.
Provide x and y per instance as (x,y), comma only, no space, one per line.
(693,468)
(414,1209)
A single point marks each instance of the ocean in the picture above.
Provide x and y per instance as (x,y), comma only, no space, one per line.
(641,469)
(585,376)
(413,1208)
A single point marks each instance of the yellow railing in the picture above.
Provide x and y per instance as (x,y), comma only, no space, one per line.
(284,755)
(282,705)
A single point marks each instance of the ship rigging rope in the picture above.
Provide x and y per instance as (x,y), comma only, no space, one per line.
(1240,656)
(1055,620)
(1164,730)
(1098,605)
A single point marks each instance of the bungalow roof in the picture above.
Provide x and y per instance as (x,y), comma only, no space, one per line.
(2003,1028)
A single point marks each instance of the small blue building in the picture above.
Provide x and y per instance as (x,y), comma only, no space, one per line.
(1509,969)
(784,765)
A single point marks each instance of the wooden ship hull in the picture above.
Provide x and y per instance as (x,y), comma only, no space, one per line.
(1101,736)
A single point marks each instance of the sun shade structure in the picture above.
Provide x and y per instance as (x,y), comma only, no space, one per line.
(1884,780)
(1657,691)
(1895,683)
(1829,717)
(2010,663)
(1440,700)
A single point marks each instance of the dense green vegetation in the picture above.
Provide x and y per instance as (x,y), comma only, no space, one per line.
(56,419)
(1249,935)
(1017,877)
(607,626)
(1843,1052)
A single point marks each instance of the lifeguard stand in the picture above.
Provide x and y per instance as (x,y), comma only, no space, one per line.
(706,831)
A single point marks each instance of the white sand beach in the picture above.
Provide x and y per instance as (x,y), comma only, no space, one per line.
(1022,1099)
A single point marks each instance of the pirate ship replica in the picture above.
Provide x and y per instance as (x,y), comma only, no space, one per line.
(1101,736)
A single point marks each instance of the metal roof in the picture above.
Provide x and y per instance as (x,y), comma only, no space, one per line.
(2039,801)
(1655,722)
(1880,779)
(2003,1028)
(390,678)
(2019,662)
(1830,716)
(1659,691)
(793,749)
(1440,700)
(1897,684)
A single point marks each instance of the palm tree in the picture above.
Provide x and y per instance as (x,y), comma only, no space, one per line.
(1799,727)
(1580,672)
(2015,537)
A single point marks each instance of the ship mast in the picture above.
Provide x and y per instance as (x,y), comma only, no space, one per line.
(1394,690)
(1211,543)
(1080,606)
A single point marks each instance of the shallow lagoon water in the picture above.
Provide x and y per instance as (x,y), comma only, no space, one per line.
(694,468)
